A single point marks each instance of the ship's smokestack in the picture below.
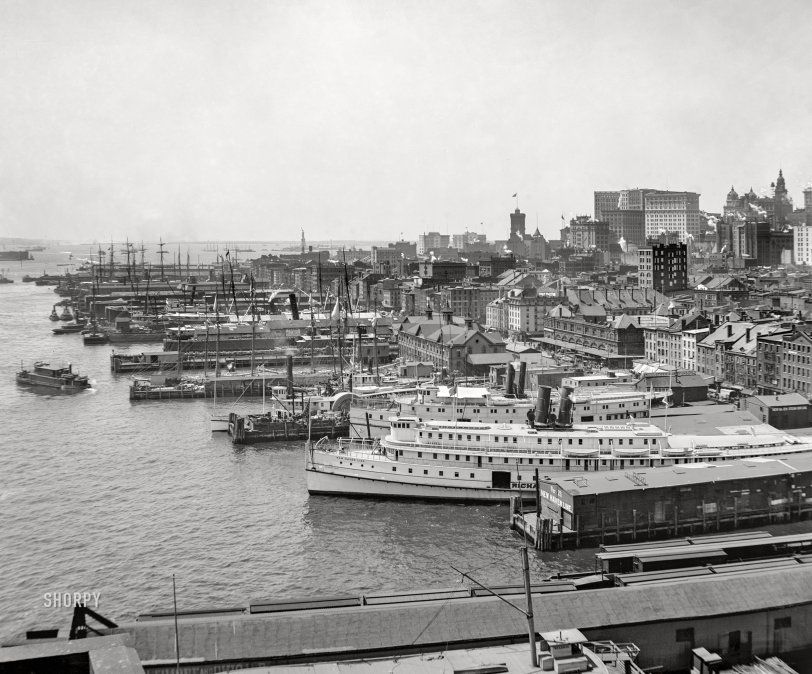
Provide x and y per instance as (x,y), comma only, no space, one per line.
(294,306)
(565,406)
(509,379)
(543,404)
(522,376)
(289,363)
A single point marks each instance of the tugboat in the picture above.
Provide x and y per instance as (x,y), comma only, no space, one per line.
(4,278)
(66,315)
(54,316)
(62,378)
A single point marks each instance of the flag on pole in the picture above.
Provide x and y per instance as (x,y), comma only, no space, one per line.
(516,195)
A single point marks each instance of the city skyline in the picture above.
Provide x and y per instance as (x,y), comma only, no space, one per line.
(247,122)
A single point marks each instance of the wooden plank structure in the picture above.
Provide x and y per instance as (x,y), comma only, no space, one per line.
(597,508)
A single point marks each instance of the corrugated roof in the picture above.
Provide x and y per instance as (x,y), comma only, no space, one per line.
(433,622)
(611,481)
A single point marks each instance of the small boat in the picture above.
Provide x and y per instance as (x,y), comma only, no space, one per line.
(66,314)
(94,337)
(4,278)
(54,316)
(62,378)
(70,328)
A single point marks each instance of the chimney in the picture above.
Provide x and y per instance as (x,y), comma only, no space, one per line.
(729,329)
(447,316)
(509,375)
(522,376)
(429,312)
(748,334)
(294,307)
(469,323)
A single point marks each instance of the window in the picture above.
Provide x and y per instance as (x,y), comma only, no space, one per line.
(472,475)
(783,623)
(420,454)
(425,472)
(410,470)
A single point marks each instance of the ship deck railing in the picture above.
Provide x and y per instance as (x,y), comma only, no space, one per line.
(349,445)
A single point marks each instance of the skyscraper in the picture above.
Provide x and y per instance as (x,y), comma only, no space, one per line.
(676,212)
(808,204)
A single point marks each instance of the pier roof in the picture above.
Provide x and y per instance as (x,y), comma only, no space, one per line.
(375,628)
(681,475)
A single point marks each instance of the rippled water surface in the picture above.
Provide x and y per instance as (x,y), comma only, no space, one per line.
(102,495)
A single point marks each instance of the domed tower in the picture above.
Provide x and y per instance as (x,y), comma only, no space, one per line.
(732,197)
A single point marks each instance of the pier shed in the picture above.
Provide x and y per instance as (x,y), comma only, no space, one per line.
(786,410)
(684,499)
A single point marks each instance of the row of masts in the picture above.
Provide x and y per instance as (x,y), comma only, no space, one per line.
(105,260)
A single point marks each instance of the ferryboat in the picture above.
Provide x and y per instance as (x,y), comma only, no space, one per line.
(369,417)
(482,461)
(62,378)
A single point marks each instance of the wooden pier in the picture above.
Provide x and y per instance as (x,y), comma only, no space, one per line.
(236,386)
(590,509)
(771,607)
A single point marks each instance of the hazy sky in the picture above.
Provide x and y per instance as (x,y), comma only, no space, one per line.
(249,119)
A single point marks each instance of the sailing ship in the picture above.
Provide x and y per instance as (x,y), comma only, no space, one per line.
(94,335)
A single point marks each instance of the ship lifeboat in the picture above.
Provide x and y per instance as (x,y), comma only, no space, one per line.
(626,452)
(581,452)
(676,451)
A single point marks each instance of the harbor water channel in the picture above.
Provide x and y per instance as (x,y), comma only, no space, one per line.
(101,495)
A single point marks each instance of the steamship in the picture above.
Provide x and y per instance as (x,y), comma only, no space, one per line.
(599,405)
(481,461)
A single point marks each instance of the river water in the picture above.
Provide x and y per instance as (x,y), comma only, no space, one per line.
(98,494)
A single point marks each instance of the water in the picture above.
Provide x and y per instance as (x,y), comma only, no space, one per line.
(98,494)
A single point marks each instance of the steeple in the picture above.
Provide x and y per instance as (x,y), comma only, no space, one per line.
(780,185)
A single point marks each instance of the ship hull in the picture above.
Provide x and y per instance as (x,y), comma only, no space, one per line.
(321,482)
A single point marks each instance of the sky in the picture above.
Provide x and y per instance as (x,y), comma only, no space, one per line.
(381,119)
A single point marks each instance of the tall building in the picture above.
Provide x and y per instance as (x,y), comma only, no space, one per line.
(775,208)
(808,204)
(517,223)
(663,267)
(624,211)
(586,234)
(605,201)
(431,240)
(802,243)
(627,225)
(676,212)
(782,205)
